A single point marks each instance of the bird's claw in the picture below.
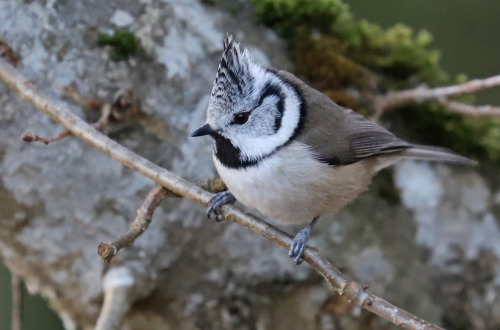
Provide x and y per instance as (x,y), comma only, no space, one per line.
(217,201)
(299,245)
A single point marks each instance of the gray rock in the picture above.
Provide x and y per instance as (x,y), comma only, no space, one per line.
(122,19)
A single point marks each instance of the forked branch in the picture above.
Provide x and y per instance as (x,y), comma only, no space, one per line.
(394,100)
(141,223)
(349,289)
(145,215)
(123,105)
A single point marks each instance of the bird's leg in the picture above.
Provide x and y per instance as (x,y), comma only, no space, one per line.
(299,243)
(217,201)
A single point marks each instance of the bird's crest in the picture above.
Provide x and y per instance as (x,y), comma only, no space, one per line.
(233,78)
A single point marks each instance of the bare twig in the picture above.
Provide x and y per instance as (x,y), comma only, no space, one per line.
(118,286)
(471,110)
(104,118)
(350,290)
(424,94)
(98,125)
(17,303)
(144,216)
(29,137)
(124,103)
(76,97)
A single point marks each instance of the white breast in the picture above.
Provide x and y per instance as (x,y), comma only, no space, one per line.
(292,187)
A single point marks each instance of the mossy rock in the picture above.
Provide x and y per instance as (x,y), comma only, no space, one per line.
(123,42)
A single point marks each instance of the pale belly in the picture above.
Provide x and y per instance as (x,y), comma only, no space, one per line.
(292,187)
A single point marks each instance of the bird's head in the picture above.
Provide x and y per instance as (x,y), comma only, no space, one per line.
(252,110)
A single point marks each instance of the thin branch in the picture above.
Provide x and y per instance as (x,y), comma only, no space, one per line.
(349,289)
(17,302)
(424,94)
(145,215)
(29,137)
(141,223)
(471,110)
(118,286)
(75,96)
(98,125)
(124,102)
(104,118)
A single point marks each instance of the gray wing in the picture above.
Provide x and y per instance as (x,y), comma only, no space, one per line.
(340,135)
(364,138)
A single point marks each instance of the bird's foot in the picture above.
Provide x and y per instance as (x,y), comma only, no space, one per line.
(299,245)
(217,201)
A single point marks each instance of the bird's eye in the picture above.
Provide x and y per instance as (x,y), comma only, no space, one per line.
(241,118)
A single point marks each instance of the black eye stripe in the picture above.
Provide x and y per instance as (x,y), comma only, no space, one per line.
(269,90)
(272,89)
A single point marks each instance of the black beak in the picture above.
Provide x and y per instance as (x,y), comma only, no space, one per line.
(203,130)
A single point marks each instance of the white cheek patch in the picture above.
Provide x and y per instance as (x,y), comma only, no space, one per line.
(265,116)
(255,147)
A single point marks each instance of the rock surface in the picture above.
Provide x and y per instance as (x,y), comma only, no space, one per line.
(434,250)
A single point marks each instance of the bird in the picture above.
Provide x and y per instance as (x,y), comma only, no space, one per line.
(290,152)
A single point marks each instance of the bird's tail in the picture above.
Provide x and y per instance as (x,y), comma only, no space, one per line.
(436,154)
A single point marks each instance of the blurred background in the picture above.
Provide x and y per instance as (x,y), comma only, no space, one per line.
(426,237)
(462,32)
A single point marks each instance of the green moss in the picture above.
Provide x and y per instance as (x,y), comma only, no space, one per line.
(123,42)
(325,66)
(397,53)
(288,16)
(323,62)
(332,51)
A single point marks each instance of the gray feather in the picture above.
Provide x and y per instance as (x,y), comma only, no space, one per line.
(436,154)
(338,134)
(343,136)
